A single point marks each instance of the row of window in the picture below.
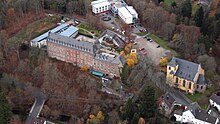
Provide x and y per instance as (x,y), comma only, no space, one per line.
(69,45)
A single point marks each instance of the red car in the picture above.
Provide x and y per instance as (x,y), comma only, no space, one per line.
(141,49)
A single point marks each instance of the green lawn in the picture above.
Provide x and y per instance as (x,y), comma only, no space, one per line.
(194,97)
(141,33)
(90,29)
(34,29)
(168,2)
(162,43)
(85,33)
(195,7)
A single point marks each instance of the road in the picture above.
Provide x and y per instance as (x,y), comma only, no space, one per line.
(38,104)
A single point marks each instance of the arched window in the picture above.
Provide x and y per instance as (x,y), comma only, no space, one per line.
(184,83)
(176,80)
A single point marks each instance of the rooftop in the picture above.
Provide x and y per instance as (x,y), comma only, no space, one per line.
(186,69)
(71,42)
(69,31)
(216,98)
(39,120)
(125,12)
(43,36)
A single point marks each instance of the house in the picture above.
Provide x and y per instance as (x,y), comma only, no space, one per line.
(194,114)
(186,76)
(110,36)
(215,100)
(63,29)
(100,6)
(83,53)
(38,120)
(168,102)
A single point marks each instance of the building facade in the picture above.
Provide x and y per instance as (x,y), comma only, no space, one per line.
(82,53)
(100,6)
(185,75)
(215,100)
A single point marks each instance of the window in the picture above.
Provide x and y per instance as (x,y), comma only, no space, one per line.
(190,85)
(176,80)
(184,83)
(169,68)
(201,87)
(197,86)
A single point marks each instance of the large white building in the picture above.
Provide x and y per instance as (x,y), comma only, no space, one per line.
(125,15)
(100,6)
(117,7)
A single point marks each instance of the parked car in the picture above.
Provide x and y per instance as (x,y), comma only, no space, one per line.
(135,43)
(141,49)
(148,39)
(158,46)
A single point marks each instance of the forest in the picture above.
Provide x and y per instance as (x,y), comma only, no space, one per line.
(193,34)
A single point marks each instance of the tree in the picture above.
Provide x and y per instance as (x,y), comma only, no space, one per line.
(135,118)
(124,74)
(148,103)
(199,16)
(173,4)
(128,112)
(4,110)
(186,8)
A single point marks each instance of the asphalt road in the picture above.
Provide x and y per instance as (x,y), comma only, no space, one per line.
(38,104)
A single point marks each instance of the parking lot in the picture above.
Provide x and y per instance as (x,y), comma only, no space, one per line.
(150,49)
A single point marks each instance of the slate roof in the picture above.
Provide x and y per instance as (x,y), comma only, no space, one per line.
(216,98)
(170,98)
(204,116)
(114,36)
(201,80)
(186,69)
(71,42)
(116,60)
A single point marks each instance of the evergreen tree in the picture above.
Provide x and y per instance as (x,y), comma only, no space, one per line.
(199,17)
(135,118)
(186,8)
(4,110)
(173,4)
(128,110)
(147,103)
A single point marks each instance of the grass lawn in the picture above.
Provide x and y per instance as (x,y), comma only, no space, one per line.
(194,97)
(162,43)
(195,7)
(141,33)
(34,29)
(90,29)
(84,33)
(168,2)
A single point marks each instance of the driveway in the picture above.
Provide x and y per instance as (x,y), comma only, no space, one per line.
(151,49)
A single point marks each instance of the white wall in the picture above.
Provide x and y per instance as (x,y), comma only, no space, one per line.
(214,104)
(128,19)
(101,7)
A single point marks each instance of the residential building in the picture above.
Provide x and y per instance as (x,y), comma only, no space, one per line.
(168,102)
(195,115)
(63,29)
(100,6)
(215,100)
(125,15)
(109,38)
(83,53)
(186,75)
